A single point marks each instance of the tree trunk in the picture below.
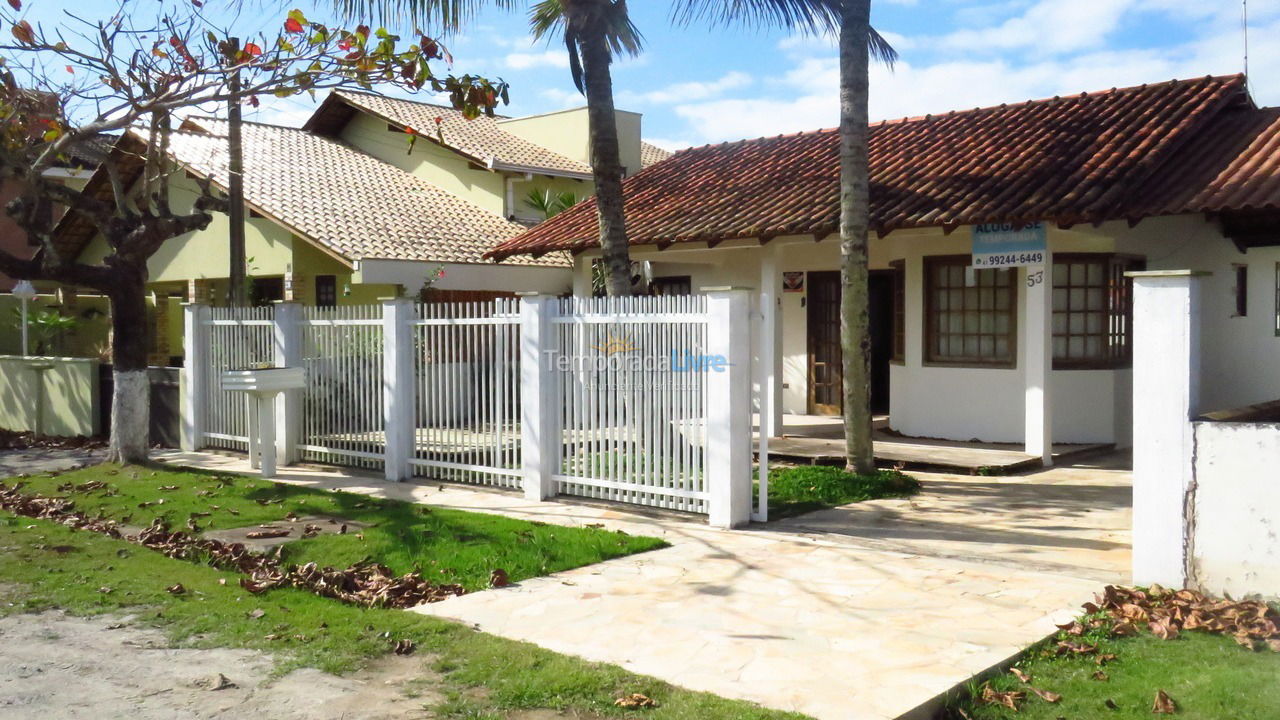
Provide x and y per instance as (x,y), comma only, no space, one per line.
(130,401)
(235,196)
(606,160)
(855,344)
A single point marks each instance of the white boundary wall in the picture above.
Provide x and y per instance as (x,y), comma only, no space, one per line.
(1205,512)
(501,394)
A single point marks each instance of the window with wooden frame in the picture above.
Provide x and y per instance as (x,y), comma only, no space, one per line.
(326,290)
(1093,310)
(898,268)
(970,314)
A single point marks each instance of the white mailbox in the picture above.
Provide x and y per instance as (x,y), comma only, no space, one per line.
(261,387)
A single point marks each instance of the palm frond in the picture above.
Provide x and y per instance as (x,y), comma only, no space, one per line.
(880,49)
(450,15)
(547,18)
(806,15)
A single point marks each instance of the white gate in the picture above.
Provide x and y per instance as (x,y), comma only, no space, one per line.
(342,418)
(238,339)
(632,398)
(467,409)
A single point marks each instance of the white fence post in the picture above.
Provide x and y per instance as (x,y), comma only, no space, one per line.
(1166,394)
(728,416)
(398,392)
(287,335)
(195,375)
(539,429)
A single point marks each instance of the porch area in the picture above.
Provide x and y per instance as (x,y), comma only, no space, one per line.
(819,440)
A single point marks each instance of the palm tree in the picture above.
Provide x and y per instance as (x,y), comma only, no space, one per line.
(858,42)
(595,32)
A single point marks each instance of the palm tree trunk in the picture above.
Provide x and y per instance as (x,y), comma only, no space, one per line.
(855,344)
(606,160)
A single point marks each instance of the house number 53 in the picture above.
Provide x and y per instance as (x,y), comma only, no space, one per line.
(1035,278)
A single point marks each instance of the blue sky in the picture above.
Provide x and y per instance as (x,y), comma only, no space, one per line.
(697,85)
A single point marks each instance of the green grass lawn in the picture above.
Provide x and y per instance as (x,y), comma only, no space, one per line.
(805,488)
(448,545)
(46,565)
(1209,677)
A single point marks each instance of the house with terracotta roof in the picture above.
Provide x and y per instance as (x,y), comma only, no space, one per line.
(1001,239)
(373,197)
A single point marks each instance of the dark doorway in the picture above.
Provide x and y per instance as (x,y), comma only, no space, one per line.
(825,371)
(826,392)
(880,308)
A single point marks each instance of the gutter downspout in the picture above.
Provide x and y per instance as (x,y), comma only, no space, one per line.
(509,204)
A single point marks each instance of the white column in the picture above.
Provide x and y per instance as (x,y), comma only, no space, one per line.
(770,343)
(582,275)
(194,378)
(1037,330)
(287,338)
(728,442)
(398,391)
(539,429)
(1166,395)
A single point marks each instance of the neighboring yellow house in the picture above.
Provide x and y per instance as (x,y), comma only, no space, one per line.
(352,208)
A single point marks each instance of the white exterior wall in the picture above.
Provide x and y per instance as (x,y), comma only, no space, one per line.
(988,403)
(1236,544)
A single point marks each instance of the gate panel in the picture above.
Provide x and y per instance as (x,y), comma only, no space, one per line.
(632,388)
(342,418)
(467,373)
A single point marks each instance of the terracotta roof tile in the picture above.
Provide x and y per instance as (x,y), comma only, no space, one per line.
(352,203)
(1069,159)
(480,138)
(650,154)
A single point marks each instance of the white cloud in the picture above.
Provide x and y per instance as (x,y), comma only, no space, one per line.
(671,144)
(948,84)
(528,60)
(688,91)
(1047,26)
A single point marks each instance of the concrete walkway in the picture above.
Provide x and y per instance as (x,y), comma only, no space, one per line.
(831,624)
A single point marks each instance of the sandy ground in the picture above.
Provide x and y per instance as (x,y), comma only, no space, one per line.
(53,665)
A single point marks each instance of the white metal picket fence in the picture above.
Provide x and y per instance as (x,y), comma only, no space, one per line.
(639,400)
(631,399)
(238,339)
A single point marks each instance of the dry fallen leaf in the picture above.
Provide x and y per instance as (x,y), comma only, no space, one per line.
(1099,675)
(635,700)
(1111,704)
(1009,699)
(266,534)
(1020,675)
(498,578)
(1163,704)
(176,589)
(1047,696)
(257,613)
(1104,658)
(404,647)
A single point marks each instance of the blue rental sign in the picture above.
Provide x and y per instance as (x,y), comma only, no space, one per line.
(1009,245)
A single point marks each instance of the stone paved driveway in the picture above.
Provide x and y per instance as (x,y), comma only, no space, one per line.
(834,623)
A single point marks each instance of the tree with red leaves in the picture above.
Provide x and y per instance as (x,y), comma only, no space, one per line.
(63,87)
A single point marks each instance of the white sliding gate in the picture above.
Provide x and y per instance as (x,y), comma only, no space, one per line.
(631,400)
(342,418)
(238,339)
(640,400)
(467,406)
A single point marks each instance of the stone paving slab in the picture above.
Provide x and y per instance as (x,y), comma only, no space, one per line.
(816,623)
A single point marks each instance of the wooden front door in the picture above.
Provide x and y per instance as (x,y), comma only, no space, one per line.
(825,370)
